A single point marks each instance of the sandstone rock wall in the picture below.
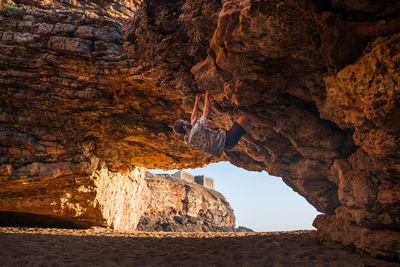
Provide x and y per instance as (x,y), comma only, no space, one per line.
(101,198)
(180,206)
(289,59)
(365,97)
(122,198)
(58,69)
(134,200)
(68,79)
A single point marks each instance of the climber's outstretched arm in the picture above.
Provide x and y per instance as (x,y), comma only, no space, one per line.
(195,112)
(207,107)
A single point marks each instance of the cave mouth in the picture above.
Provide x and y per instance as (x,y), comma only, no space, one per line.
(261,202)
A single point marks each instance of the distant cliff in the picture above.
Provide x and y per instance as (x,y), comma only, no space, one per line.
(137,200)
(178,205)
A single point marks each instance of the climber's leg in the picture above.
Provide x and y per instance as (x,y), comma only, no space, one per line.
(246,118)
(233,135)
(241,126)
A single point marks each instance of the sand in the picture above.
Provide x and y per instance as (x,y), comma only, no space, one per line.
(104,247)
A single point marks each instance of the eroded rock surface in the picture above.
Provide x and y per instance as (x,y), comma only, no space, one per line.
(179,206)
(69,79)
(134,200)
(103,198)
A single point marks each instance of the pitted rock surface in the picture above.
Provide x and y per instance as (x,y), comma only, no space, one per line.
(180,206)
(79,85)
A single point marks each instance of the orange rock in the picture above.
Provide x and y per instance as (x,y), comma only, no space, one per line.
(106,86)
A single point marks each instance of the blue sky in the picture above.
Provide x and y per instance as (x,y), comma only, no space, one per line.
(261,202)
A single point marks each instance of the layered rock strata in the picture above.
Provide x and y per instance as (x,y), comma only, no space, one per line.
(135,200)
(180,206)
(329,67)
(102,198)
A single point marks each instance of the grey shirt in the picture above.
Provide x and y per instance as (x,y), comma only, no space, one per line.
(208,140)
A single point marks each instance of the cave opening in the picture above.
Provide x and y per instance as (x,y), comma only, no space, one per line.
(261,202)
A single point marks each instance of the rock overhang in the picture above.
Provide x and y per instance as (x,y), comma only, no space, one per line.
(330,70)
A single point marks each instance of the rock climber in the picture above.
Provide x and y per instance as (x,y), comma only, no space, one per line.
(204,134)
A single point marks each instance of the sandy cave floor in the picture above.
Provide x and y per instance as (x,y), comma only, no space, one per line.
(104,247)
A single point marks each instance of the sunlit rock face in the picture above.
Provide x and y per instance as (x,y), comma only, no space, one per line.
(102,198)
(180,206)
(65,196)
(330,68)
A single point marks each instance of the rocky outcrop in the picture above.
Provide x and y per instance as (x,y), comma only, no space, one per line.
(102,198)
(365,97)
(57,70)
(135,200)
(69,78)
(242,229)
(180,206)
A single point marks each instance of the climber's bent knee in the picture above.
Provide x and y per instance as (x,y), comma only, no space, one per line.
(233,135)
(244,119)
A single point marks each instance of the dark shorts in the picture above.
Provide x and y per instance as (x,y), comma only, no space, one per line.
(233,135)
